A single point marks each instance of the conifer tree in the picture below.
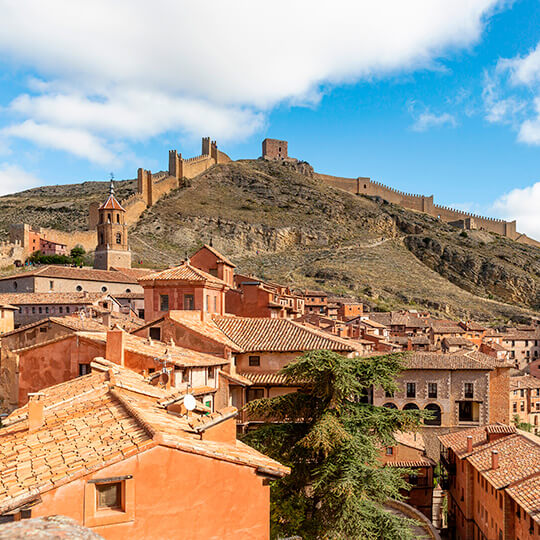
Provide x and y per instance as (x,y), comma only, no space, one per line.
(331,438)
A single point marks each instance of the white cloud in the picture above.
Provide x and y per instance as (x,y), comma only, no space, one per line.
(131,69)
(428,120)
(529,131)
(76,141)
(13,179)
(521,205)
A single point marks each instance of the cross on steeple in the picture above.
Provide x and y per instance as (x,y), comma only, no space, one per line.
(112,184)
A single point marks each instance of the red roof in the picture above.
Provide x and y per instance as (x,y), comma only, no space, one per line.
(184,272)
(112,204)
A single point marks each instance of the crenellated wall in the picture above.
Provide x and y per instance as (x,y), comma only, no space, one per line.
(423,203)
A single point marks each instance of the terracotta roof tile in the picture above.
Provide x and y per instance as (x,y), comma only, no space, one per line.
(453,361)
(410,464)
(524,381)
(457,440)
(280,335)
(70,272)
(519,457)
(527,495)
(219,255)
(271,379)
(183,272)
(111,204)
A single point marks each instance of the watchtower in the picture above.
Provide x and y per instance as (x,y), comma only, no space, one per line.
(274,149)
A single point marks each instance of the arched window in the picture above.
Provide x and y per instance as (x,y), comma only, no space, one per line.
(411,407)
(118,238)
(101,218)
(117,218)
(101,238)
(435,411)
(390,406)
(109,218)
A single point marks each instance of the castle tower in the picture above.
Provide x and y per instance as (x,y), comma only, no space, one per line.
(112,236)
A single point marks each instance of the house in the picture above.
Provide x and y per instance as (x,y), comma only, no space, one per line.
(214,263)
(440,329)
(525,400)
(347,308)
(127,460)
(460,389)
(494,483)
(524,345)
(182,287)
(132,302)
(401,323)
(455,344)
(473,331)
(256,348)
(68,356)
(409,453)
(68,279)
(32,307)
(316,302)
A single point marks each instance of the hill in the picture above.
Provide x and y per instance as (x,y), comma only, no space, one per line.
(275,220)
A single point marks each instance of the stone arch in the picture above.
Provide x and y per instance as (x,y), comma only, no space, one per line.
(390,405)
(437,413)
(411,407)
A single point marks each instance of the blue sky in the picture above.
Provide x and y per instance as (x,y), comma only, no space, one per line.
(427,96)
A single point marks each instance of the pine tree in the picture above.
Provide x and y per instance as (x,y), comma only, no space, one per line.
(331,439)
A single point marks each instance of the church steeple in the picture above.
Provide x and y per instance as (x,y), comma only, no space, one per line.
(112,248)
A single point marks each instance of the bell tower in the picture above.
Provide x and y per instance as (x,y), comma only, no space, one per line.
(112,236)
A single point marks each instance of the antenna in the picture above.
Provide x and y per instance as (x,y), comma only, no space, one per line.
(189,402)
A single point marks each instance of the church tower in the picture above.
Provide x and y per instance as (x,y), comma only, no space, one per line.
(112,248)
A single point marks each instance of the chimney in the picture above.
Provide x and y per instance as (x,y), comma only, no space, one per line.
(469,443)
(494,459)
(106,319)
(114,351)
(35,410)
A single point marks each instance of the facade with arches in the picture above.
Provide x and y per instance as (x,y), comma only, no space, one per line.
(460,390)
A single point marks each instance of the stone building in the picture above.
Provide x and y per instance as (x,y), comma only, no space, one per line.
(523,346)
(460,389)
(274,149)
(112,248)
(7,317)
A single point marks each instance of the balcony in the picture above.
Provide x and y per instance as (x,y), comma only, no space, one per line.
(448,465)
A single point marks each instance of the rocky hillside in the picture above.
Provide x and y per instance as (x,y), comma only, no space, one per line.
(283,225)
(276,221)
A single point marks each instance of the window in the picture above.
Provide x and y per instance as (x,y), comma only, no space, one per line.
(255,393)
(109,218)
(215,304)
(388,394)
(40,309)
(109,496)
(468,411)
(118,238)
(522,393)
(117,218)
(128,291)
(468,390)
(51,285)
(514,407)
(432,390)
(84,369)
(389,451)
(15,285)
(101,238)
(61,309)
(67,309)
(46,309)
(522,406)
(103,289)
(411,390)
(164,302)
(254,360)
(206,302)
(189,302)
(155,333)
(78,288)
(435,411)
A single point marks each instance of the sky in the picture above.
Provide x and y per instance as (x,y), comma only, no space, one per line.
(426,96)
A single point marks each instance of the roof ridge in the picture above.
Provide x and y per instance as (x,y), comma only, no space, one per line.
(135,413)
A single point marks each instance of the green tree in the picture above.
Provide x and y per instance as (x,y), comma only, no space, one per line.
(77,254)
(332,440)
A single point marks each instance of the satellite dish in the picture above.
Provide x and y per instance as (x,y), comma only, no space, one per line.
(189,402)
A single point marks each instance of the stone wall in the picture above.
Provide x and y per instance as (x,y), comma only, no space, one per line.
(423,203)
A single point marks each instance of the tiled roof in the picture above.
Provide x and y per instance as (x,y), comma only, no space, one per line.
(472,326)
(457,342)
(219,255)
(97,427)
(133,273)
(75,273)
(394,318)
(519,457)
(457,440)
(112,204)
(453,361)
(206,328)
(446,327)
(527,495)
(156,349)
(236,378)
(520,335)
(270,379)
(279,335)
(524,381)
(22,299)
(412,439)
(183,272)
(410,464)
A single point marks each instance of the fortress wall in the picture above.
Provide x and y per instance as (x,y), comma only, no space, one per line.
(163,186)
(499,226)
(347,184)
(87,239)
(194,166)
(524,239)
(134,205)
(222,157)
